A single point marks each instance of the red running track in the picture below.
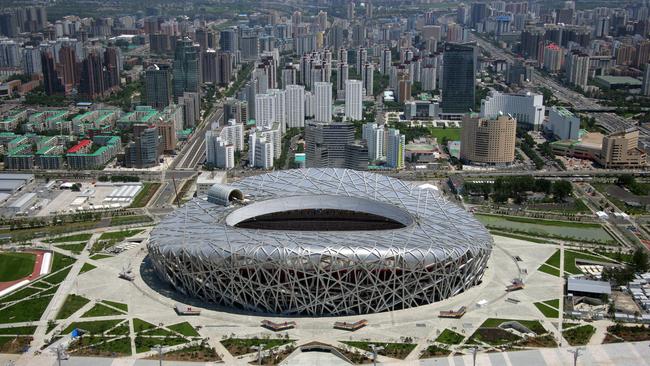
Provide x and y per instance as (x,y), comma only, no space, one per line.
(35,272)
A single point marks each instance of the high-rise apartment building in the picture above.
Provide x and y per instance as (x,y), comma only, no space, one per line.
(374,136)
(395,149)
(527,108)
(323,103)
(295,106)
(459,78)
(577,68)
(354,100)
(368,78)
(488,141)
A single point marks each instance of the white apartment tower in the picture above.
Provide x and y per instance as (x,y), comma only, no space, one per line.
(354,100)
(323,105)
(295,106)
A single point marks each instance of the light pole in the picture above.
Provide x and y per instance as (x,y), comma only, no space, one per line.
(576,354)
(60,354)
(158,348)
(375,349)
(259,349)
(474,353)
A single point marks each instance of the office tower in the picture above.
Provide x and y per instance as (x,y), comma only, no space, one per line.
(51,81)
(9,54)
(368,78)
(209,66)
(362,59)
(205,38)
(158,86)
(295,107)
(577,68)
(404,88)
(219,153)
(386,61)
(323,105)
(167,132)
(186,68)
(459,78)
(621,150)
(228,41)
(191,103)
(527,108)
(374,136)
(563,124)
(478,13)
(250,48)
(354,100)
(332,145)
(91,82)
(646,80)
(395,149)
(145,149)
(32,61)
(9,24)
(342,72)
(488,141)
(224,68)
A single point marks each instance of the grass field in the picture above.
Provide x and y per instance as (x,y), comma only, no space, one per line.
(18,331)
(145,194)
(549,270)
(140,325)
(533,325)
(100,310)
(119,235)
(95,327)
(548,311)
(14,266)
(132,219)
(71,238)
(185,329)
(450,337)
(395,350)
(570,257)
(25,311)
(452,134)
(61,261)
(579,336)
(71,305)
(74,248)
(86,267)
(118,305)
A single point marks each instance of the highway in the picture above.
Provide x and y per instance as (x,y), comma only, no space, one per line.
(193,152)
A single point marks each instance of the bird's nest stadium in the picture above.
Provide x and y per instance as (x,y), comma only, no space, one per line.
(320,242)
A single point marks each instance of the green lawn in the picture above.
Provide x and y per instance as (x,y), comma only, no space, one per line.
(140,325)
(533,325)
(57,277)
(18,331)
(100,256)
(86,267)
(555,303)
(395,350)
(241,346)
(570,257)
(548,312)
(20,294)
(144,344)
(14,266)
(74,248)
(70,238)
(25,311)
(71,305)
(119,235)
(94,327)
(518,236)
(185,329)
(579,336)
(61,261)
(100,345)
(101,310)
(452,134)
(133,219)
(118,305)
(159,332)
(450,337)
(145,194)
(549,270)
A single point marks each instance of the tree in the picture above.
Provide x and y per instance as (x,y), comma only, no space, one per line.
(625,180)
(639,262)
(561,190)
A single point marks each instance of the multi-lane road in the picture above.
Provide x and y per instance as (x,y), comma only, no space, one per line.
(193,152)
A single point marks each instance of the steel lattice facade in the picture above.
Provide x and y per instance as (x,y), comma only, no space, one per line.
(440,252)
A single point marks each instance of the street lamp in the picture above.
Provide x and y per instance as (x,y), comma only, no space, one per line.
(576,353)
(375,349)
(474,353)
(158,348)
(60,354)
(259,348)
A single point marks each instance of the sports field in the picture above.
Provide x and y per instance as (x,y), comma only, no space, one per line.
(14,266)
